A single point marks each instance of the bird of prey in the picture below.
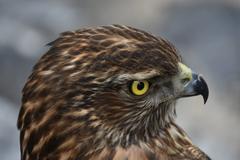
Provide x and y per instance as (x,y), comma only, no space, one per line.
(108,93)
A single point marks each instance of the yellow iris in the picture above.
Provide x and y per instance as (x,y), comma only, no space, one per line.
(139,87)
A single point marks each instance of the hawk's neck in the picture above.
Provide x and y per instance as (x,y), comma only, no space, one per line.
(171,144)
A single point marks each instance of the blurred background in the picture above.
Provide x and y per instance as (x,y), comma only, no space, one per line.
(206,33)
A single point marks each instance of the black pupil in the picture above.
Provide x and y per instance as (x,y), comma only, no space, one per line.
(140,86)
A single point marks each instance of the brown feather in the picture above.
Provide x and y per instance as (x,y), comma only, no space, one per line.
(75,104)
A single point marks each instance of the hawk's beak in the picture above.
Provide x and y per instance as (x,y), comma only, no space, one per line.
(191,84)
(197,86)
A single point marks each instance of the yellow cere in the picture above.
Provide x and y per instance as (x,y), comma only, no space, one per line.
(185,72)
(139,87)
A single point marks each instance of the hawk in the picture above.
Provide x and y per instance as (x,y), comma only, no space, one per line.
(108,93)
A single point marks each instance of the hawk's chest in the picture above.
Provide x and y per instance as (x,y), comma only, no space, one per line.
(137,153)
(131,153)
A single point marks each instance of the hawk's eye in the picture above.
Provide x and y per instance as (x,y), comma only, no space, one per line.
(139,87)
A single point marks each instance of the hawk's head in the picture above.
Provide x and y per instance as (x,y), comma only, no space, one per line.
(111,85)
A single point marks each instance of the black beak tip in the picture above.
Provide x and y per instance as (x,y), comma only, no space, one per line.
(203,88)
(205,98)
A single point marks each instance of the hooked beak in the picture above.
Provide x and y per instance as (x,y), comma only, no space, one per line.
(190,84)
(197,86)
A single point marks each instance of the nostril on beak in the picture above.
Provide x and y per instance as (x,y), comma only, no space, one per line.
(185,80)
